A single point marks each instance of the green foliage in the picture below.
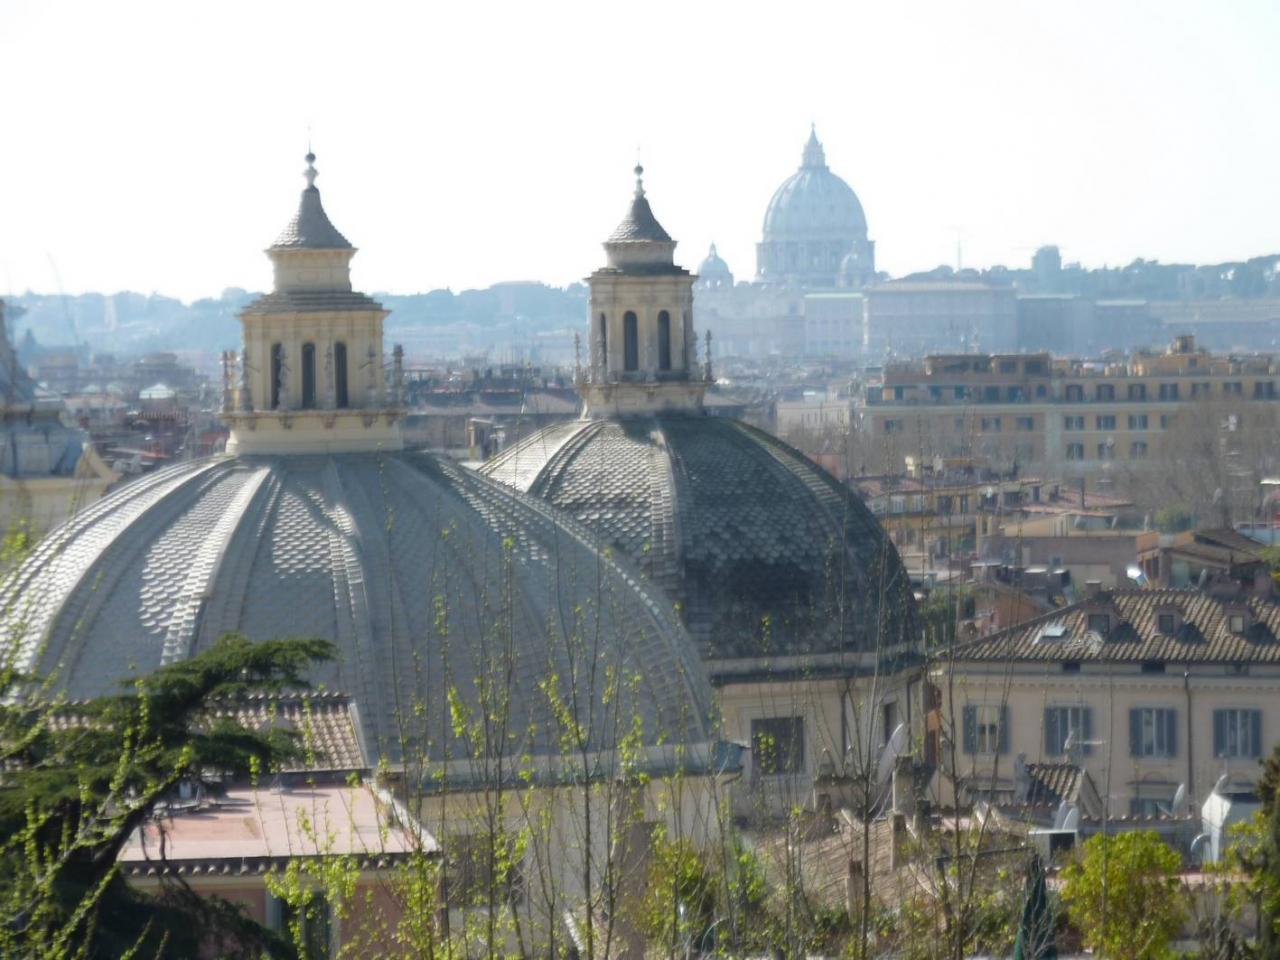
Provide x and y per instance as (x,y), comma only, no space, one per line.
(1124,895)
(679,903)
(83,778)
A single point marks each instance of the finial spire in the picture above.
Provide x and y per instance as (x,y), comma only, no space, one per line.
(814,155)
(639,171)
(311,172)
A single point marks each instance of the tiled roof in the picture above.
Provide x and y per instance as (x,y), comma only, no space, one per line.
(310,228)
(639,224)
(302,301)
(738,527)
(367,551)
(1203,636)
(1051,783)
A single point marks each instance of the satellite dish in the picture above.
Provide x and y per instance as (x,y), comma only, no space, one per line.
(1069,744)
(1060,816)
(893,748)
(1072,820)
(1220,787)
(1179,800)
(1134,573)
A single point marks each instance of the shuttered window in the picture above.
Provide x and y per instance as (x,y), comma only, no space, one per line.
(1061,722)
(1153,732)
(1237,733)
(986,728)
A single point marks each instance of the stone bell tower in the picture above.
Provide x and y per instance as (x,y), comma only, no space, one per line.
(643,348)
(310,374)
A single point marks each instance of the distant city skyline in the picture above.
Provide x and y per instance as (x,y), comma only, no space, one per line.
(154,147)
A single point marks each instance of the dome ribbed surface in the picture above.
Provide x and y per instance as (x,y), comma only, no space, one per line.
(379,554)
(310,228)
(814,202)
(765,552)
(639,224)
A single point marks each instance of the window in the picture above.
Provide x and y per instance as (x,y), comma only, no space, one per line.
(1167,623)
(1236,623)
(308,376)
(475,863)
(1137,421)
(1106,391)
(1100,623)
(1073,423)
(1063,722)
(1075,393)
(1200,389)
(1137,391)
(604,343)
(1166,421)
(316,921)
(1075,451)
(1033,367)
(664,340)
(1041,391)
(1237,733)
(1138,450)
(1106,421)
(960,393)
(944,504)
(893,426)
(888,720)
(986,728)
(777,745)
(1153,732)
(1008,366)
(1071,666)
(341,399)
(1233,389)
(1264,390)
(897,504)
(1106,451)
(990,425)
(630,342)
(1026,423)
(277,366)
(1168,391)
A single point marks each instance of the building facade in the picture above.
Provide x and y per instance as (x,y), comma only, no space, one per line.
(1065,418)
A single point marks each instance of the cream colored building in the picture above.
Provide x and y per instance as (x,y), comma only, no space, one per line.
(1062,418)
(1146,689)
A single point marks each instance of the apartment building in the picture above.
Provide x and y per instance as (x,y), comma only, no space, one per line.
(1057,417)
(1145,690)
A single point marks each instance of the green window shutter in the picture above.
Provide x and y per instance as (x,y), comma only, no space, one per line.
(970,723)
(1219,733)
(1171,732)
(1004,728)
(1255,733)
(1135,733)
(1052,739)
(1086,729)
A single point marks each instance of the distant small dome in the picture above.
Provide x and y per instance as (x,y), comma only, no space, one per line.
(714,272)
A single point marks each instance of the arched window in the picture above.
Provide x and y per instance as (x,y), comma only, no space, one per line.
(277,361)
(340,375)
(308,376)
(630,342)
(664,340)
(604,343)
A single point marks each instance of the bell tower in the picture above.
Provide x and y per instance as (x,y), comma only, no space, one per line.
(643,357)
(310,373)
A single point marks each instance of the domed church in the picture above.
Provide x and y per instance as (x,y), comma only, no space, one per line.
(762,552)
(427,578)
(815,233)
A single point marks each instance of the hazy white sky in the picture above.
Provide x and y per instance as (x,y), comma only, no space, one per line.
(158,146)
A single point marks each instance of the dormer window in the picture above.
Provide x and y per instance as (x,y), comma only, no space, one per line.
(1100,623)
(1237,623)
(1168,620)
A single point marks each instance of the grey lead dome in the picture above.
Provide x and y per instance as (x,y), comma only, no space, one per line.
(418,571)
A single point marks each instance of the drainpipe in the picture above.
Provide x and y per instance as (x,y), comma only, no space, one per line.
(1191,781)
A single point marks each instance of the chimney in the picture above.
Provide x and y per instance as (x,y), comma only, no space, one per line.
(1092,589)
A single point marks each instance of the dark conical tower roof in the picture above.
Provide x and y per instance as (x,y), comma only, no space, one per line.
(310,228)
(639,224)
